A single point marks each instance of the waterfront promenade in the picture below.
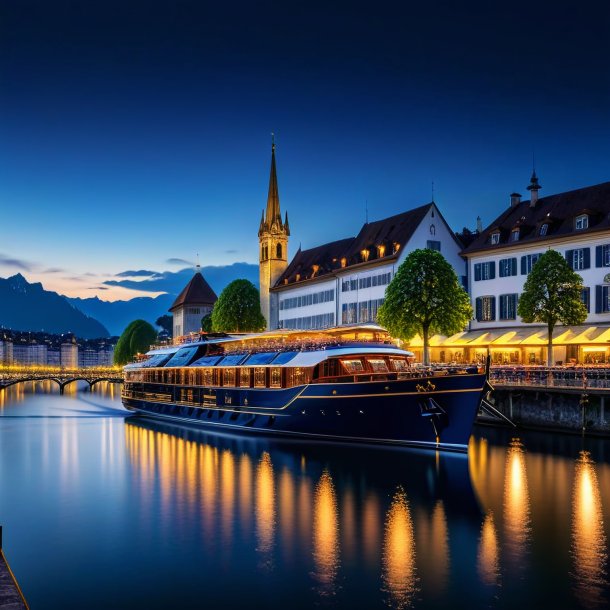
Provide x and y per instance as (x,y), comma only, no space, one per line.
(11,597)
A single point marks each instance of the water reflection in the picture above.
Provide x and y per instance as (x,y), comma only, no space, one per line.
(488,556)
(516,504)
(589,550)
(399,571)
(265,509)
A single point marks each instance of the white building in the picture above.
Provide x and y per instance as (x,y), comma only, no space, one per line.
(193,303)
(344,282)
(577,225)
(69,355)
(30,354)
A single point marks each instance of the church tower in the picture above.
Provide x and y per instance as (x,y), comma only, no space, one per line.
(273,246)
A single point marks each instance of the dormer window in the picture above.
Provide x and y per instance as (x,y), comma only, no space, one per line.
(365,255)
(380,251)
(343,262)
(494,238)
(581,222)
(315,269)
(543,229)
(396,247)
(514,235)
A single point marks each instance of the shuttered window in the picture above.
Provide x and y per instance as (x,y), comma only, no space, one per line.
(485,309)
(507,267)
(602,256)
(579,258)
(508,306)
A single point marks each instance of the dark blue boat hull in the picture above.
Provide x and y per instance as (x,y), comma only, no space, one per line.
(436,412)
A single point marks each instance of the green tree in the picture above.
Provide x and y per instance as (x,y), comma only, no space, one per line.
(238,309)
(136,338)
(424,298)
(166,322)
(206,323)
(552,294)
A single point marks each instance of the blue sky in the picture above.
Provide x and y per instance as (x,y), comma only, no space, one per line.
(133,133)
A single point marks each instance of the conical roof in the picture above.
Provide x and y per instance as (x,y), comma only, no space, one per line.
(196,292)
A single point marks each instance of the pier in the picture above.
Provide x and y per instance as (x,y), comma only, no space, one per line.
(11,597)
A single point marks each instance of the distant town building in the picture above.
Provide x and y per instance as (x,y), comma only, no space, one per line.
(53,357)
(69,355)
(30,354)
(6,352)
(193,303)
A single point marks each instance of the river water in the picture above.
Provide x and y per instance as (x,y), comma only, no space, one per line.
(104,510)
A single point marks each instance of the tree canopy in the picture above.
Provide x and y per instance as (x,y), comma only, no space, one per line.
(166,322)
(136,338)
(425,298)
(206,323)
(238,309)
(552,294)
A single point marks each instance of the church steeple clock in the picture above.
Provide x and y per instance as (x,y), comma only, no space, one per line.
(273,246)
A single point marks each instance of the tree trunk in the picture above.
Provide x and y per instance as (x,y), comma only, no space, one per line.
(549,348)
(425,332)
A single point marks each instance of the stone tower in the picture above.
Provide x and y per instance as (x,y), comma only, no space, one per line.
(273,246)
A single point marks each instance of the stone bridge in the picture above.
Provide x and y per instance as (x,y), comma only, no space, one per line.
(62,377)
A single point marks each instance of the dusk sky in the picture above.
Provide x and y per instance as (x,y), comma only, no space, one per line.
(133,133)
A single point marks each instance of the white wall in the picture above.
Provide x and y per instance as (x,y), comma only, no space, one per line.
(305,311)
(514,284)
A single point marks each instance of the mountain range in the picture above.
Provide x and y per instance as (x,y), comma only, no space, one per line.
(25,306)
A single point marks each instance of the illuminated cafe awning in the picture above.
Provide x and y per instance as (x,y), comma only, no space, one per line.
(520,336)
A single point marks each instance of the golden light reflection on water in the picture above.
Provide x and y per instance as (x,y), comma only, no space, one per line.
(488,556)
(516,503)
(589,550)
(325,536)
(265,508)
(399,569)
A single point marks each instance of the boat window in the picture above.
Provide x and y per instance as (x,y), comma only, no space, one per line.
(208,376)
(259,377)
(276,377)
(182,356)
(353,366)
(263,358)
(244,377)
(378,365)
(228,377)
(158,360)
(207,361)
(284,357)
(398,364)
(232,360)
(297,376)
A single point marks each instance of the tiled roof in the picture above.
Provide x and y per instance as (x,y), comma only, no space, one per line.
(396,229)
(558,212)
(196,292)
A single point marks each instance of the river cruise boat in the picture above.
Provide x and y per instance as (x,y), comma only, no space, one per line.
(349,384)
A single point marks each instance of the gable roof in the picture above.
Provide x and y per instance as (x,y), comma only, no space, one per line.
(196,292)
(557,211)
(387,232)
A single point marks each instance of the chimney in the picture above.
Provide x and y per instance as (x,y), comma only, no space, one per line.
(479,225)
(515,199)
(533,188)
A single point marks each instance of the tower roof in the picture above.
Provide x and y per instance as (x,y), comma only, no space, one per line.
(196,292)
(273,197)
(272,216)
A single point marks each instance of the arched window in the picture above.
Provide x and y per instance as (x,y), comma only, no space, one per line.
(432,230)
(278,251)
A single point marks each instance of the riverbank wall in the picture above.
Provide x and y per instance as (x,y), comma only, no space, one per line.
(565,410)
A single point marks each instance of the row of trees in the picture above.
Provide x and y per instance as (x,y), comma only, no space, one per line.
(424,298)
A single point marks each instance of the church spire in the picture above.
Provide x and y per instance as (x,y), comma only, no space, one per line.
(273,198)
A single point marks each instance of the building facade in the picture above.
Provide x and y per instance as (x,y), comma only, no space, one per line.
(192,304)
(6,352)
(575,224)
(273,234)
(344,282)
(30,354)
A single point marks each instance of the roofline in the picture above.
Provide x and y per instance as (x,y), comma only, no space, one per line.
(519,244)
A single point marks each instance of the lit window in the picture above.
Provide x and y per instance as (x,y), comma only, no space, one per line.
(581,222)
(353,366)
(365,254)
(543,229)
(494,238)
(378,365)
(381,251)
(344,262)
